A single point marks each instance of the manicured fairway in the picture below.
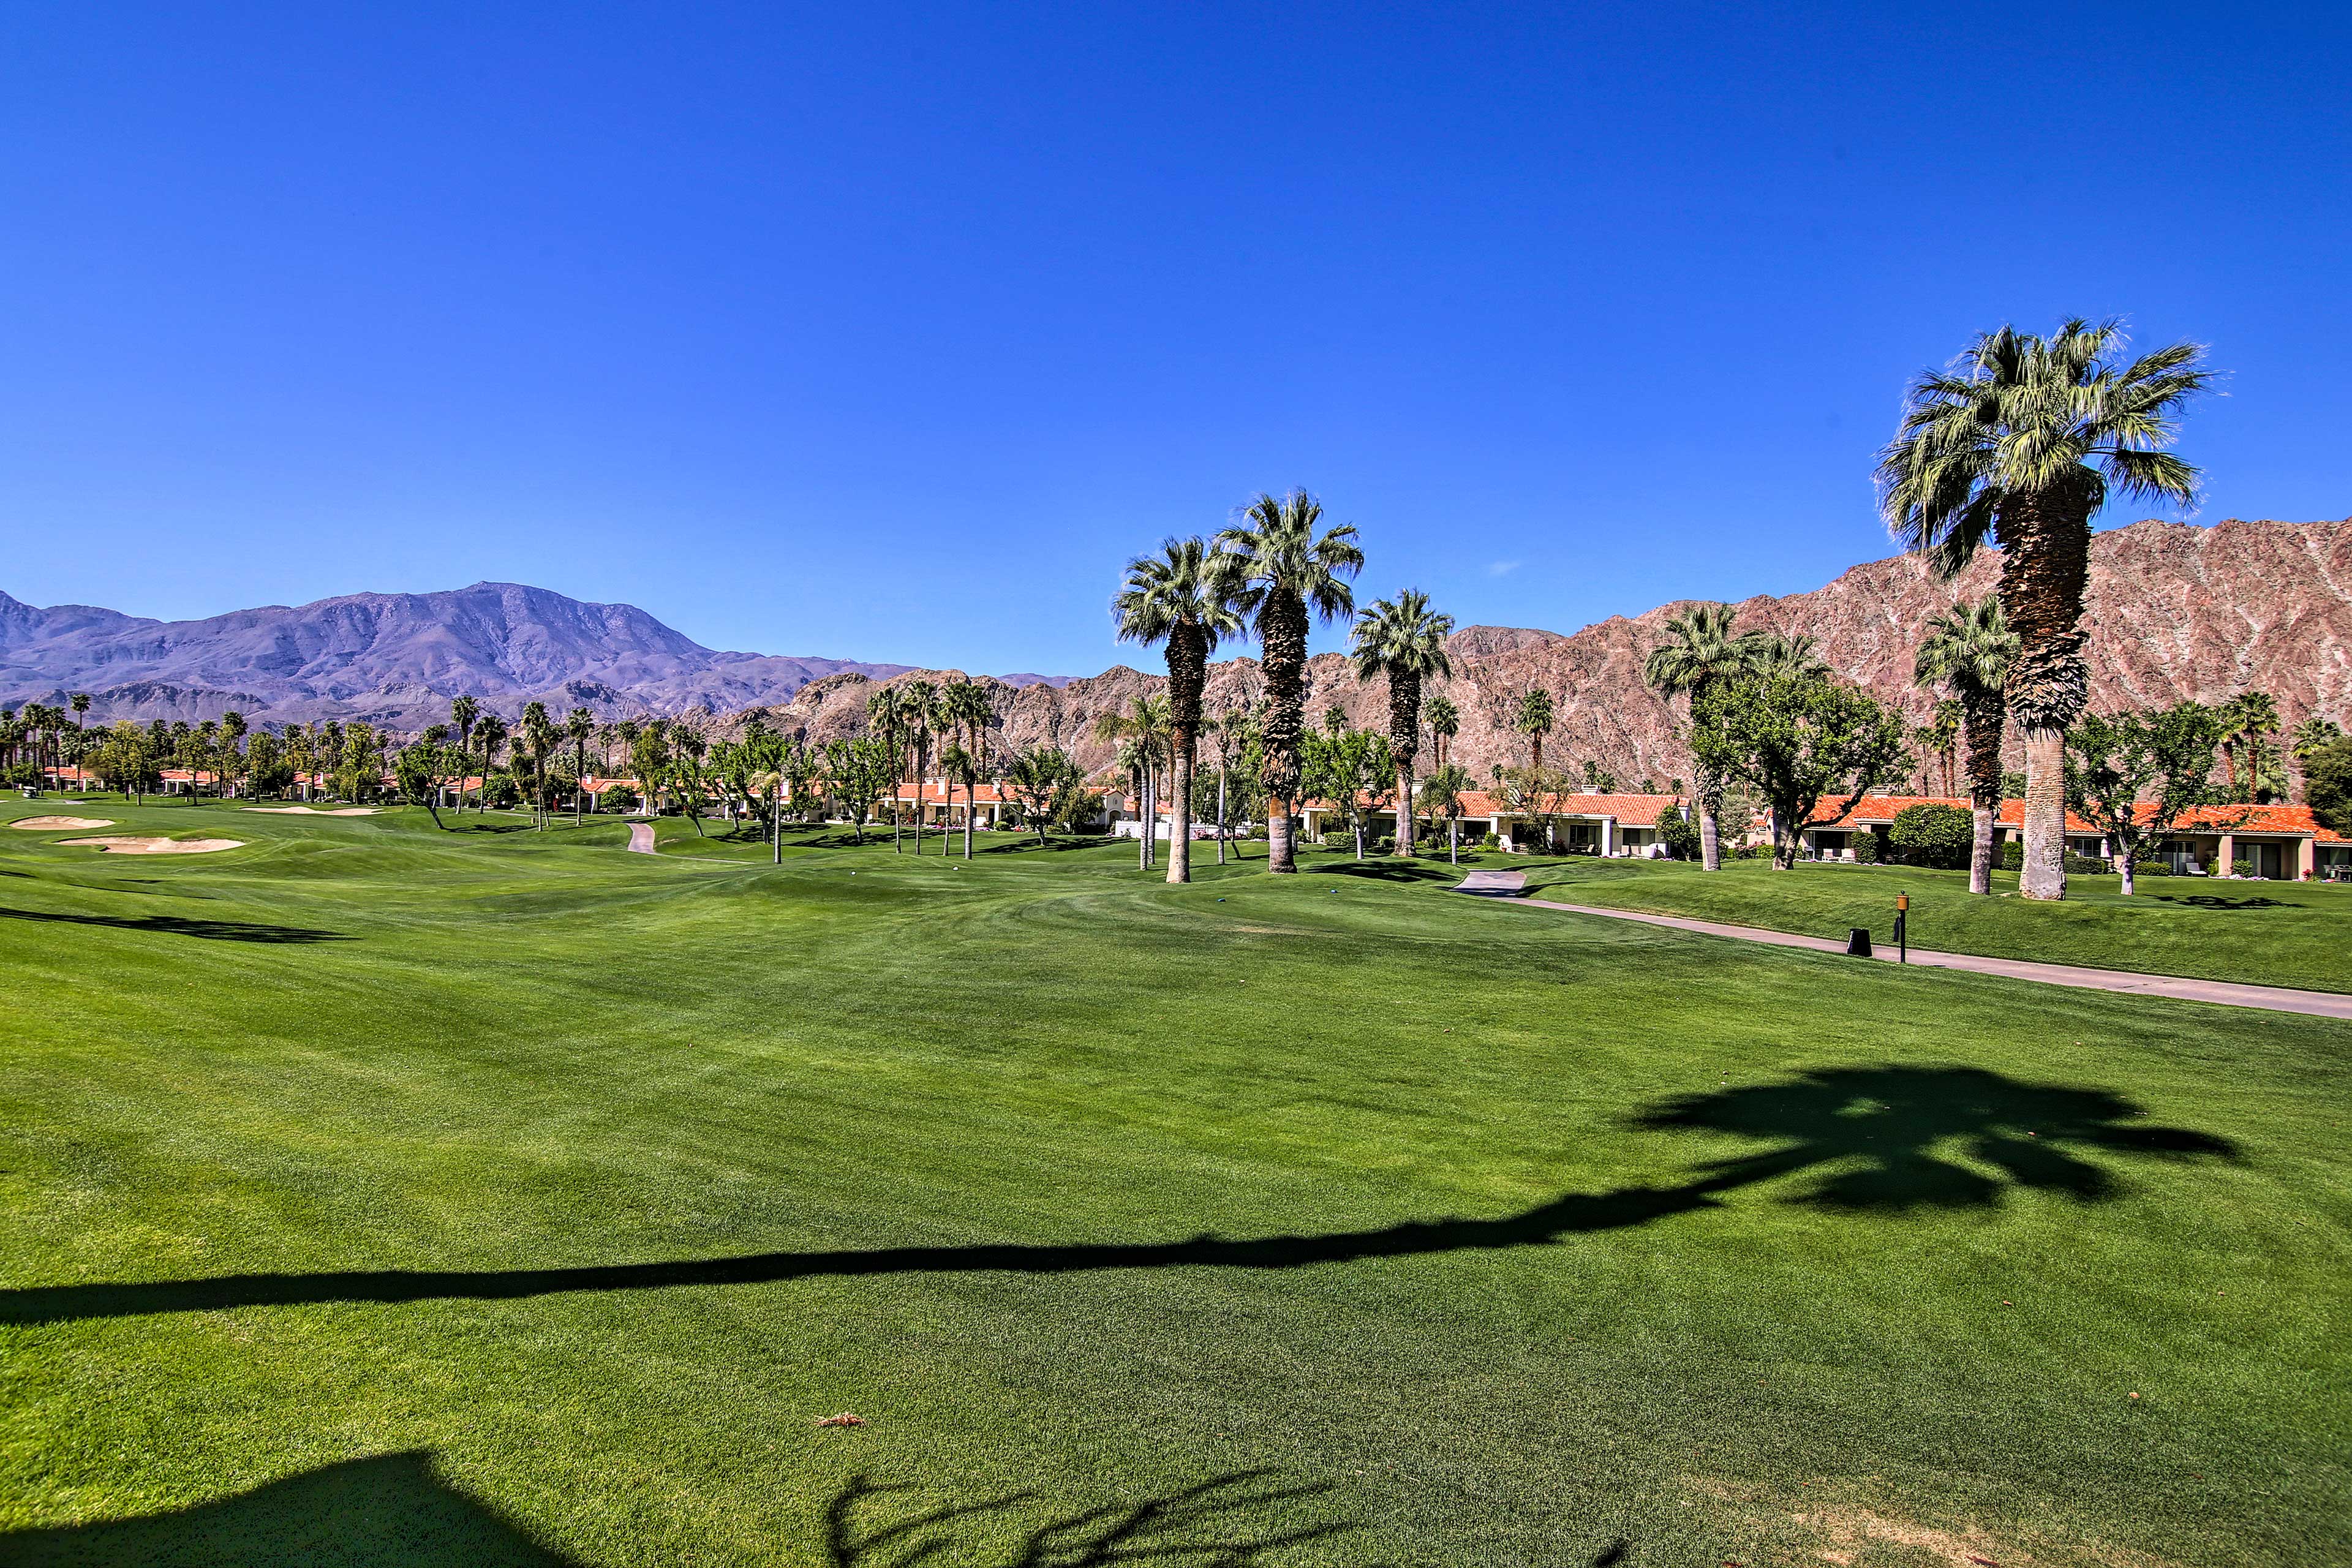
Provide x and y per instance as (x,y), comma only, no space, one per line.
(376,1194)
(2264,933)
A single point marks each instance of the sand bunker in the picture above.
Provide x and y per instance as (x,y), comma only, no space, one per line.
(314,811)
(54,824)
(126,844)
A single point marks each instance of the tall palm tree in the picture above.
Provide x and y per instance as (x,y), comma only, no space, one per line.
(1143,732)
(80,703)
(463,712)
(1776,653)
(1284,571)
(537,735)
(2020,441)
(578,726)
(2246,719)
(232,730)
(1405,640)
(1444,721)
(1179,598)
(1232,731)
(918,708)
(966,708)
(1968,652)
(1942,733)
(1533,717)
(886,717)
(1701,652)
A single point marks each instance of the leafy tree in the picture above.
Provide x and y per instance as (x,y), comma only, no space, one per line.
(1405,640)
(1701,652)
(1679,834)
(266,769)
(1181,599)
(1234,734)
(1353,769)
(2019,443)
(233,730)
(1441,796)
(1532,716)
(859,772)
(1940,836)
(422,769)
(1048,785)
(2327,784)
(1535,796)
(1795,739)
(1967,652)
(2136,777)
(1283,570)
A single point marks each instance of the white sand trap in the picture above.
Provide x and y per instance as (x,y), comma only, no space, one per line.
(58,824)
(314,811)
(127,844)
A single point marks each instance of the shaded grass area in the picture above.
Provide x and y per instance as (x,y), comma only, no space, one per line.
(2264,933)
(535,1207)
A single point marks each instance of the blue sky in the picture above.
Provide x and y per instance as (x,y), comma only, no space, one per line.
(888,333)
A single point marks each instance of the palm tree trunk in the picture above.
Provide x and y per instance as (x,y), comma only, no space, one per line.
(1221,807)
(2123,865)
(2044,872)
(1454,841)
(1710,829)
(1981,851)
(1180,806)
(1404,810)
(969,807)
(1282,642)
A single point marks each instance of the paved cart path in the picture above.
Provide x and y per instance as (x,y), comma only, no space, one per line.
(641,838)
(2227,993)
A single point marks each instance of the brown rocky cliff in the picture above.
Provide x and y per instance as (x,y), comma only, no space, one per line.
(2177,611)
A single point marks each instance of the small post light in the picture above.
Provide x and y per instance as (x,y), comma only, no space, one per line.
(1902,937)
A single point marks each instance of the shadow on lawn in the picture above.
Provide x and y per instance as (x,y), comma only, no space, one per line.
(388,1509)
(177,925)
(1873,1134)
(1205,1523)
(2216,902)
(1392,871)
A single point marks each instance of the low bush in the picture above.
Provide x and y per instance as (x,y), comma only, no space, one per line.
(1864,845)
(1489,841)
(1938,836)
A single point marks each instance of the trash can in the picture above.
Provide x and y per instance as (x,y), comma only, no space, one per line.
(1857,941)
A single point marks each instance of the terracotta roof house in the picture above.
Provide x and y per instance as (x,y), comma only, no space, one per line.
(2276,843)
(1584,824)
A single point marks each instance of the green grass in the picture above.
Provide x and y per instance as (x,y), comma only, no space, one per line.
(2264,933)
(376,1195)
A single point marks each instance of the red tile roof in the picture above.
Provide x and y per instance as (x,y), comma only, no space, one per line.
(1876,810)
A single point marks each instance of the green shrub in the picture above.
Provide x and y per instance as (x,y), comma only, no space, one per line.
(1384,844)
(502,791)
(2153,868)
(2086,865)
(2013,855)
(1938,836)
(1489,841)
(1338,841)
(1864,845)
(1679,834)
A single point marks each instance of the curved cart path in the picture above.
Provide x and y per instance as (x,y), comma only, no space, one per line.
(2223,993)
(641,838)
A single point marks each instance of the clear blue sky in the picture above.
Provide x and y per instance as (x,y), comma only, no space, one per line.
(889,333)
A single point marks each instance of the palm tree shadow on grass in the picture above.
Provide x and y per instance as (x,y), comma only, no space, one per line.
(177,925)
(391,1508)
(1210,1523)
(1878,1138)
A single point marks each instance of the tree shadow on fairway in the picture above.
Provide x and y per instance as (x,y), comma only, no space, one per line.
(388,1509)
(1031,846)
(1882,1135)
(2216,902)
(1209,1523)
(1880,1125)
(177,925)
(1392,871)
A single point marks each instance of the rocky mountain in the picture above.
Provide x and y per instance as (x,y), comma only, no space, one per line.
(393,660)
(2177,611)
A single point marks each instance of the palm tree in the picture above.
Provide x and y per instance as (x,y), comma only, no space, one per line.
(579,725)
(1405,640)
(1533,718)
(1180,597)
(1701,652)
(1440,795)
(1142,731)
(1775,653)
(2020,442)
(233,728)
(2246,720)
(462,712)
(538,736)
(919,709)
(80,703)
(1967,652)
(887,716)
(1233,731)
(491,731)
(1444,722)
(964,705)
(1284,571)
